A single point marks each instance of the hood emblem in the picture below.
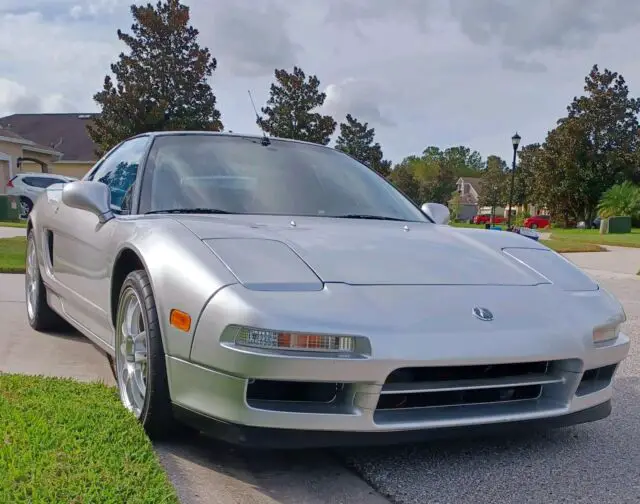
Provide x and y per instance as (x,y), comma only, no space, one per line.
(482,314)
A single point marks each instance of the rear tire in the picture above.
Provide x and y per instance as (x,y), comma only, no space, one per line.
(140,367)
(39,314)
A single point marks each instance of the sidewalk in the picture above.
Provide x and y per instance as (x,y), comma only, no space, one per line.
(618,260)
(10,232)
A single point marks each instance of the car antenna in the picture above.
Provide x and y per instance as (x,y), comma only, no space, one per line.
(265,138)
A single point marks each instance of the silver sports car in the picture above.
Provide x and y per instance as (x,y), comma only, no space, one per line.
(280,293)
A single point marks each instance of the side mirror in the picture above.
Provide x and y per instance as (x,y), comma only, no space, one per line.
(94,197)
(438,212)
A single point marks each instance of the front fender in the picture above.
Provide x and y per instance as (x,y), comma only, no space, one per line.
(184,274)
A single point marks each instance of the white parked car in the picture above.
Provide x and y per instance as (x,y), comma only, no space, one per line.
(28,187)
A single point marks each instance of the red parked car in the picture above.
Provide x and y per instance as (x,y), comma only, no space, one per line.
(537,221)
(486,219)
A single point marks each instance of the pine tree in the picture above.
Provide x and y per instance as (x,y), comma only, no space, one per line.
(357,140)
(161,82)
(289,110)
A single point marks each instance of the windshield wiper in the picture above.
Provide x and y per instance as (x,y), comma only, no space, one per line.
(190,211)
(365,216)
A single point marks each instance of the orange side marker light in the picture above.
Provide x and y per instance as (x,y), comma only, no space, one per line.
(180,320)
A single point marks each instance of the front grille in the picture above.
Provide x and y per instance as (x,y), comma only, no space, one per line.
(427,387)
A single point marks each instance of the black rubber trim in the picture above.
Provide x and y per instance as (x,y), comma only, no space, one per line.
(271,438)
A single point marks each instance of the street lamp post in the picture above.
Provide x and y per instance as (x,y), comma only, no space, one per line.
(493,204)
(515,140)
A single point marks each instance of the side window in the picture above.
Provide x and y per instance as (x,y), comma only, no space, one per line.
(46,182)
(119,171)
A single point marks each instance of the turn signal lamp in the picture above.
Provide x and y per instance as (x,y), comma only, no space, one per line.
(605,333)
(276,340)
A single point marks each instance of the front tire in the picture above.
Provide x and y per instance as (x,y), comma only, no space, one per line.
(140,367)
(39,314)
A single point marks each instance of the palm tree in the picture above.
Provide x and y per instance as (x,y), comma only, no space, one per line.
(621,200)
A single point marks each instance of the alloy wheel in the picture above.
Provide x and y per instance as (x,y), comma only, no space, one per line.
(31,279)
(132,352)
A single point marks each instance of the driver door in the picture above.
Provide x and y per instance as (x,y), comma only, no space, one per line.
(82,245)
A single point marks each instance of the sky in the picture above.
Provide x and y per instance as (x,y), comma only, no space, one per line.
(422,72)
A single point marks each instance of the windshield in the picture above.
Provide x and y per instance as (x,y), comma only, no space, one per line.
(241,175)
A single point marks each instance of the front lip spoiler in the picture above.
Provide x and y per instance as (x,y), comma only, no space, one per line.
(272,438)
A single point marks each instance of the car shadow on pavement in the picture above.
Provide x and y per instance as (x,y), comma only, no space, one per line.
(69,333)
(459,470)
(201,468)
(571,464)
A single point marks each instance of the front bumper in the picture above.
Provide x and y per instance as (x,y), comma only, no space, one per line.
(271,438)
(214,385)
(217,402)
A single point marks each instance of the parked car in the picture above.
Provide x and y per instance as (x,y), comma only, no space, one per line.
(28,186)
(537,221)
(280,293)
(486,219)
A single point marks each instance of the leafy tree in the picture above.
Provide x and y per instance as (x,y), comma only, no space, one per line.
(432,179)
(161,83)
(439,188)
(454,205)
(609,118)
(494,183)
(461,160)
(563,181)
(621,199)
(593,148)
(357,140)
(289,110)
(529,160)
(403,178)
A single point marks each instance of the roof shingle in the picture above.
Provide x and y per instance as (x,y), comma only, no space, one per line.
(66,133)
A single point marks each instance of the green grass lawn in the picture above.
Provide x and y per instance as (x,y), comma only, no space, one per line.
(562,244)
(567,246)
(593,236)
(13,253)
(63,441)
(19,224)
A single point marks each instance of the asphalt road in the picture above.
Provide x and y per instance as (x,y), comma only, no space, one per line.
(592,463)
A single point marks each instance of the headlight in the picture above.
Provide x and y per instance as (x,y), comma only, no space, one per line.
(301,342)
(606,333)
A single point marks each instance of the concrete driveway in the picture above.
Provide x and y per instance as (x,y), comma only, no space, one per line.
(615,262)
(592,463)
(10,232)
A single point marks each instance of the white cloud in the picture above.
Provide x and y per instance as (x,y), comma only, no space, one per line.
(93,8)
(362,99)
(249,38)
(421,71)
(15,98)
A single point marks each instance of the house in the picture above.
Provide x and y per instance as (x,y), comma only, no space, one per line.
(469,190)
(65,135)
(16,152)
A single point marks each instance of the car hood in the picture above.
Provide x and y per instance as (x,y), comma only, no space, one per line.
(366,252)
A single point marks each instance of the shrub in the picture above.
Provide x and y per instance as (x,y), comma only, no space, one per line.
(621,200)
